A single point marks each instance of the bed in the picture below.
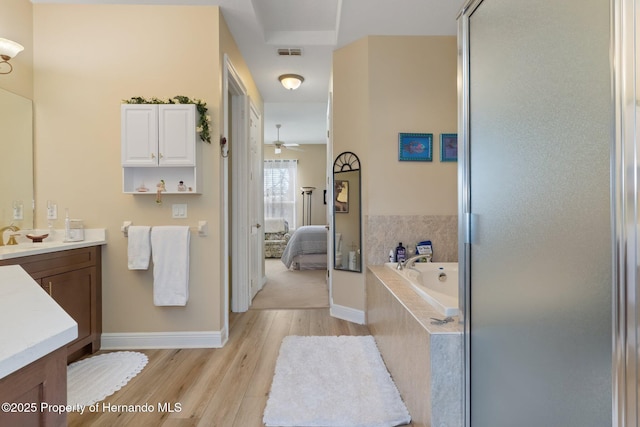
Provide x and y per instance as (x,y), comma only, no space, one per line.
(307,249)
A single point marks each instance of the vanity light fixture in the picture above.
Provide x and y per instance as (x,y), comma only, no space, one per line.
(8,49)
(291,81)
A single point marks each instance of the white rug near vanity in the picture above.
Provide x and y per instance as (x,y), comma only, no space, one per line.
(92,379)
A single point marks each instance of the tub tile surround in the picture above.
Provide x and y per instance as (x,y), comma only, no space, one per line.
(384,232)
(424,360)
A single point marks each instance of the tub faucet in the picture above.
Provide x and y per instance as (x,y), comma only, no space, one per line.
(3,229)
(411,261)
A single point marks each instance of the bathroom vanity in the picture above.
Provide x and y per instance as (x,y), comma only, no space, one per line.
(34,333)
(71,273)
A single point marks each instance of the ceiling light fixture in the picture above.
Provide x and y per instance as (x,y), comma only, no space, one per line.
(291,81)
(8,50)
(277,142)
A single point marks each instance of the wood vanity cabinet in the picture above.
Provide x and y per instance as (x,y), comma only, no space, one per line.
(73,278)
(41,382)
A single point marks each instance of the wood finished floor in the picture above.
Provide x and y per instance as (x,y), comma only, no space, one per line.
(224,387)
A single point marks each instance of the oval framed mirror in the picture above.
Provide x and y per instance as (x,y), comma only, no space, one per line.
(347,237)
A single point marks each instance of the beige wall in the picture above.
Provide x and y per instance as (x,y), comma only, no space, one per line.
(312,172)
(383,86)
(413,89)
(87,59)
(351,132)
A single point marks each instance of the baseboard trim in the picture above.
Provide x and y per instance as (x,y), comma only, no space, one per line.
(347,313)
(153,340)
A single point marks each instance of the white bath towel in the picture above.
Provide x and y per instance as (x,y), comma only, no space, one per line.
(170,251)
(138,247)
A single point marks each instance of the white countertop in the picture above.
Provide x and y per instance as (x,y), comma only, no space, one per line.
(55,242)
(32,324)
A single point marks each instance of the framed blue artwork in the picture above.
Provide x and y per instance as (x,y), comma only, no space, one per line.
(448,147)
(415,147)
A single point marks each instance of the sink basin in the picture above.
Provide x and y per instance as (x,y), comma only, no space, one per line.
(27,247)
(32,245)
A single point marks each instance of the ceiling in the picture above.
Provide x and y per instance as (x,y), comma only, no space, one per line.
(318,27)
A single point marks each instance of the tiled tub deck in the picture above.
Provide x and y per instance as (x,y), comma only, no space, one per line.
(424,360)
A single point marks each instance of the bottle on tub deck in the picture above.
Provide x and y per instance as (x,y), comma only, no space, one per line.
(392,256)
(425,248)
(401,253)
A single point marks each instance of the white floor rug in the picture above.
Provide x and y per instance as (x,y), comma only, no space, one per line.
(333,381)
(91,380)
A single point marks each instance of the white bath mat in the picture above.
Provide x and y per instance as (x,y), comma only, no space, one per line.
(333,381)
(91,380)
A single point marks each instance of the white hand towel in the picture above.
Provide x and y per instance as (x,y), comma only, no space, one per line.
(170,251)
(138,247)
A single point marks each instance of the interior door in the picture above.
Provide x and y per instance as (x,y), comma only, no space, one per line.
(256,203)
(536,161)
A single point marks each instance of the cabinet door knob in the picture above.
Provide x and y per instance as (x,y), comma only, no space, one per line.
(153,155)
(160,155)
(50,289)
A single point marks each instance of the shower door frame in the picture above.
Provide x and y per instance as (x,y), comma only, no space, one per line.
(625,200)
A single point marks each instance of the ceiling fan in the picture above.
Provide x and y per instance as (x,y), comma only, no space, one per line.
(280,144)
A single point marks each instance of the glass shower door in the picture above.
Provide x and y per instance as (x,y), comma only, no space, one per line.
(536,212)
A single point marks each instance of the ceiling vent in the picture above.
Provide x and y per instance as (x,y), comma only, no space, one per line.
(293,51)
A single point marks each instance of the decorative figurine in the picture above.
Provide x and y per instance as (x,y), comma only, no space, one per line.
(160,187)
(181,186)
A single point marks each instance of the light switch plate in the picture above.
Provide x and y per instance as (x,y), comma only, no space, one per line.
(179,210)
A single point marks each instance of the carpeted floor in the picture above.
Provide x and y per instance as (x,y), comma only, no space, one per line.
(292,289)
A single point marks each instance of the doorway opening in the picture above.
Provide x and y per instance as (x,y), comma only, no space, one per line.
(294,198)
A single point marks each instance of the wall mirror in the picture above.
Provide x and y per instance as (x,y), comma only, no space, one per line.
(347,237)
(16,152)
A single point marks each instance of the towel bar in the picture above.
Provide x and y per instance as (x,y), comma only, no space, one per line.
(202,228)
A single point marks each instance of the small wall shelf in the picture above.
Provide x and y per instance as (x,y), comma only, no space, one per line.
(159,142)
(135,178)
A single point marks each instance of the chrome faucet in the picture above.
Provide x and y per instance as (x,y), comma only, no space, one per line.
(3,229)
(411,261)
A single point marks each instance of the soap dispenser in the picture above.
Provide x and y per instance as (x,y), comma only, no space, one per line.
(67,226)
(73,229)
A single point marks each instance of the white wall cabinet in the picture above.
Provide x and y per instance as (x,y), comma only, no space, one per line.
(159,142)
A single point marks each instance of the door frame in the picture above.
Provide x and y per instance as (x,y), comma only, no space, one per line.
(235,266)
(328,197)
(256,204)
